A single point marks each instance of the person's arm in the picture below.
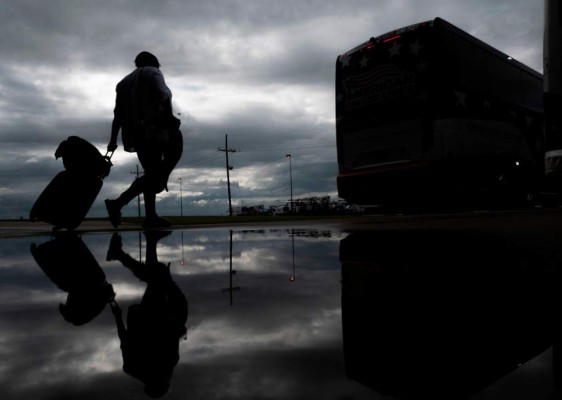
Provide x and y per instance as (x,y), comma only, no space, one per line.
(115,127)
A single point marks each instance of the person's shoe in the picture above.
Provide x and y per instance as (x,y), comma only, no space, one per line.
(156,222)
(115,247)
(114,212)
(156,235)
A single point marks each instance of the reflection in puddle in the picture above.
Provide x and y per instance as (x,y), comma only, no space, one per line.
(253,329)
(441,314)
(273,314)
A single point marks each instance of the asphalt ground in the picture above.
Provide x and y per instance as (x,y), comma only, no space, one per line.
(531,221)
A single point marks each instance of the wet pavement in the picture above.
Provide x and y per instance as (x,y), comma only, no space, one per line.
(379,307)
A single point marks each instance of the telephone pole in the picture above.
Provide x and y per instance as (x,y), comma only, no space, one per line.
(228,168)
(291,176)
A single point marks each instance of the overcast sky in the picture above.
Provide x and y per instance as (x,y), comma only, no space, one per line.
(260,71)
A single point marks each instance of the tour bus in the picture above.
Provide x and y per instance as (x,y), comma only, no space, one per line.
(429,112)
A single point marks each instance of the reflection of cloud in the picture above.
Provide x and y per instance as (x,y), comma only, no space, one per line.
(129,291)
(222,337)
(32,297)
(70,355)
(316,373)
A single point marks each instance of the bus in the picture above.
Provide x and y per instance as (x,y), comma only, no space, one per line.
(428,113)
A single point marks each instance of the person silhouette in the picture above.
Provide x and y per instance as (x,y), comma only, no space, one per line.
(150,340)
(143,114)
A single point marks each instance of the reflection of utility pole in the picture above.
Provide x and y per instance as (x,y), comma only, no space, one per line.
(182,262)
(181,199)
(140,247)
(231,289)
(293,277)
(228,168)
(138,197)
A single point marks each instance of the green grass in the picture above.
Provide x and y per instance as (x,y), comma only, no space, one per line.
(217,220)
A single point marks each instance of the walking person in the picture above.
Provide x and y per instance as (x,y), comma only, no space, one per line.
(143,114)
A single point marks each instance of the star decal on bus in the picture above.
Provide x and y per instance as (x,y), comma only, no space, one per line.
(339,98)
(415,47)
(364,62)
(345,59)
(395,49)
(461,99)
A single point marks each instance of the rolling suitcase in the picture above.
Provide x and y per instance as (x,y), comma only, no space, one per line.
(69,196)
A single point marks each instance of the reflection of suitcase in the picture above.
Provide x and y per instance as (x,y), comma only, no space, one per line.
(69,264)
(68,197)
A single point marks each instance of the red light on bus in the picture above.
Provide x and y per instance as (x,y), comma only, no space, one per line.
(391,39)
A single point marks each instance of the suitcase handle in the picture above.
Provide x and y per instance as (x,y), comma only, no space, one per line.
(109,163)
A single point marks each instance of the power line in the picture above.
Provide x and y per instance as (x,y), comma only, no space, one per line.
(289,148)
(203,158)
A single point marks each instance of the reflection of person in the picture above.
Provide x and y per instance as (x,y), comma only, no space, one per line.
(143,113)
(150,341)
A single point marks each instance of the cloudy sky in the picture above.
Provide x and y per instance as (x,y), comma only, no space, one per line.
(261,72)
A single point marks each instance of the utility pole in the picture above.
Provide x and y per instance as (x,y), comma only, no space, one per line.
(552,51)
(228,168)
(138,197)
(291,176)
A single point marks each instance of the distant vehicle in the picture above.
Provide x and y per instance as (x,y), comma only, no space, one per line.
(249,210)
(430,112)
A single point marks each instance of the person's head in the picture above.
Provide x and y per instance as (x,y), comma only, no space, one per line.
(146,59)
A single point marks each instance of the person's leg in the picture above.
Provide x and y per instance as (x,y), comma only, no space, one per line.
(171,156)
(151,160)
(158,180)
(114,206)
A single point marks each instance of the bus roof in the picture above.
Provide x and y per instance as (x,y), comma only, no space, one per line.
(443,24)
